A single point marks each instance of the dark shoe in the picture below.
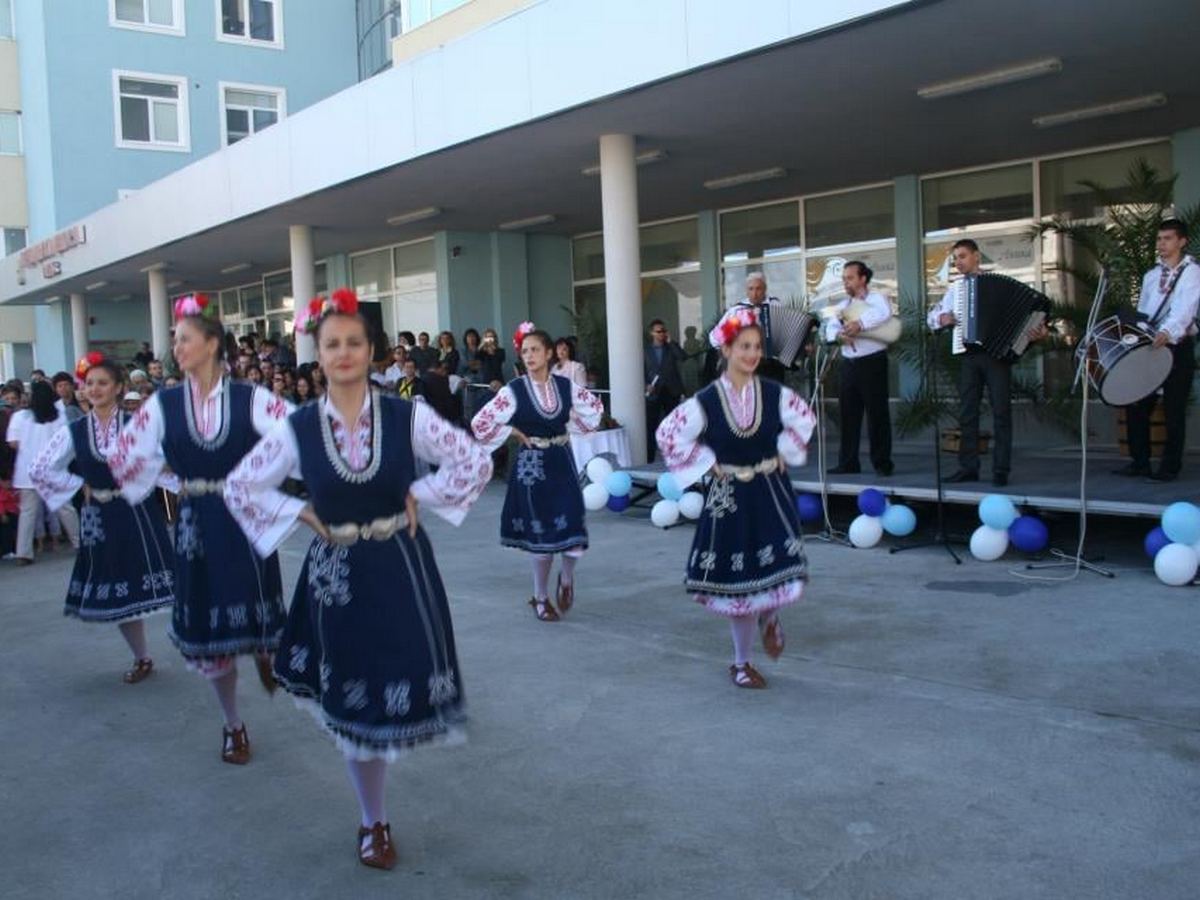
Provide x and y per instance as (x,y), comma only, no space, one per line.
(263,664)
(235,746)
(544,609)
(1162,475)
(375,847)
(24,561)
(962,475)
(746,676)
(999,479)
(566,596)
(140,672)
(1132,470)
(885,470)
(845,470)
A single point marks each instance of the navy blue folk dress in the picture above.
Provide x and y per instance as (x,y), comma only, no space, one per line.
(123,568)
(228,601)
(368,635)
(748,553)
(543,509)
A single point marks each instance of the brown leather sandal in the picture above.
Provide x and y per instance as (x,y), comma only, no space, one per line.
(264,663)
(565,595)
(377,851)
(140,672)
(235,746)
(544,609)
(746,676)
(772,635)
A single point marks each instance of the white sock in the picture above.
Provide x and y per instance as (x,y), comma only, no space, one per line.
(568,568)
(369,778)
(541,575)
(744,628)
(226,688)
(134,633)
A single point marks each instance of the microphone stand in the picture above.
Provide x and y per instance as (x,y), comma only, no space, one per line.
(940,537)
(816,401)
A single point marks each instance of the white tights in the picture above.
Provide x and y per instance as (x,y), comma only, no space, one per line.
(744,629)
(369,778)
(543,562)
(134,632)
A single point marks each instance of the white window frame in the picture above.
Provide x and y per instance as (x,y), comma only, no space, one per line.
(178,29)
(245,39)
(185,124)
(20,133)
(3,237)
(222,86)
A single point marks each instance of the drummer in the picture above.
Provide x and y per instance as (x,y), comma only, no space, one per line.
(1168,305)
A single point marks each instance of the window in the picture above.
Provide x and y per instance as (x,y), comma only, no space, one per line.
(14,240)
(10,133)
(248,109)
(978,198)
(1062,180)
(147,15)
(255,21)
(6,19)
(151,111)
(850,217)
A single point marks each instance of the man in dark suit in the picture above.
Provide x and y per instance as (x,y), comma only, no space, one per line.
(664,381)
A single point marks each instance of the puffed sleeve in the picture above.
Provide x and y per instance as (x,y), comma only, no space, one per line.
(267,410)
(678,438)
(945,305)
(138,460)
(586,408)
(266,514)
(464,466)
(1181,312)
(490,425)
(798,424)
(833,325)
(51,477)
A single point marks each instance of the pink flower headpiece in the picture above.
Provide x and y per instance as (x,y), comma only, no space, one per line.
(525,328)
(195,305)
(343,301)
(94,358)
(727,329)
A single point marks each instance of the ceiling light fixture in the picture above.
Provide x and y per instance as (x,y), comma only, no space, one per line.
(518,224)
(1133,104)
(416,215)
(992,78)
(239,267)
(171,285)
(717,184)
(95,285)
(642,159)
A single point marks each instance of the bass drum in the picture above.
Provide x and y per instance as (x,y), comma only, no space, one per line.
(1123,365)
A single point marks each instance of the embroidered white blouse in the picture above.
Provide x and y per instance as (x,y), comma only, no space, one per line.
(679,435)
(51,474)
(490,424)
(139,460)
(268,516)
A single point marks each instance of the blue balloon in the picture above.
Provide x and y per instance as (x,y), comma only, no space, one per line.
(899,520)
(872,502)
(1155,540)
(619,484)
(618,504)
(1029,534)
(668,487)
(997,511)
(1181,522)
(808,507)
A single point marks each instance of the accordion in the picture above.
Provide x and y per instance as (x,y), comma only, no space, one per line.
(995,314)
(789,329)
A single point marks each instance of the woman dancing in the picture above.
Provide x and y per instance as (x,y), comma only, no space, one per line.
(543,510)
(228,601)
(123,570)
(747,558)
(368,644)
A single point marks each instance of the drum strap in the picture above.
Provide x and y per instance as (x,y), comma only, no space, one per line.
(1178,273)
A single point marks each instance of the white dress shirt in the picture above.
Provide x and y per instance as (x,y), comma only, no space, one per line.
(1178,318)
(879,311)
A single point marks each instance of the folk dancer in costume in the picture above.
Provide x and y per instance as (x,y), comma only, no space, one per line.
(760,304)
(863,375)
(228,602)
(979,368)
(747,558)
(1169,299)
(123,571)
(368,643)
(543,510)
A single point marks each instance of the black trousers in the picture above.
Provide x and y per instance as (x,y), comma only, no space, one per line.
(1175,392)
(863,387)
(980,370)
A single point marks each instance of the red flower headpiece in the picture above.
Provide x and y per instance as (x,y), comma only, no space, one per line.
(195,305)
(94,358)
(523,329)
(343,301)
(726,330)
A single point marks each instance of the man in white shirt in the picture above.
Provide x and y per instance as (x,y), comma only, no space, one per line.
(863,379)
(757,300)
(1169,299)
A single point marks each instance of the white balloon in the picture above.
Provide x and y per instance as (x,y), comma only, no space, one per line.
(595,496)
(1176,564)
(866,531)
(665,513)
(691,504)
(988,543)
(598,469)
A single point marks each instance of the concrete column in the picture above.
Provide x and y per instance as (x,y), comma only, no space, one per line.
(623,287)
(160,314)
(710,270)
(304,284)
(910,263)
(79,325)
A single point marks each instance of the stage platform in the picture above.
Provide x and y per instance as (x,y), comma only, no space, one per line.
(1046,479)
